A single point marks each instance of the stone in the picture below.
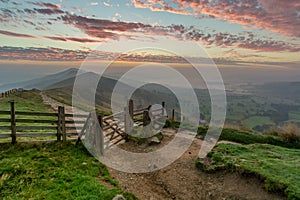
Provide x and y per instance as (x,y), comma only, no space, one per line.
(119,197)
(154,140)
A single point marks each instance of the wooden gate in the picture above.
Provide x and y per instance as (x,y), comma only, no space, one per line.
(115,128)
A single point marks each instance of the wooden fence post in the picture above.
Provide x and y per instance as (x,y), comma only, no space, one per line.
(13,123)
(127,122)
(130,108)
(163,104)
(100,119)
(63,125)
(146,118)
(59,130)
(99,134)
(173,115)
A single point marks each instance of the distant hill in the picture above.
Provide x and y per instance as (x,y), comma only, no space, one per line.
(144,96)
(42,83)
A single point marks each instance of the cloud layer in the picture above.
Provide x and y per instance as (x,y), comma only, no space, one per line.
(107,29)
(274,15)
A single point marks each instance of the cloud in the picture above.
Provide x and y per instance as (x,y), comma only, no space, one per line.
(47,8)
(268,46)
(106,4)
(46,5)
(158,6)
(109,29)
(29,11)
(47,11)
(94,3)
(29,22)
(6,15)
(52,54)
(41,54)
(243,40)
(100,28)
(12,34)
(273,15)
(64,39)
(57,54)
(280,6)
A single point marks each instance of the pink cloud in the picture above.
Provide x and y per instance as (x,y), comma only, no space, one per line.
(107,29)
(12,34)
(64,39)
(274,15)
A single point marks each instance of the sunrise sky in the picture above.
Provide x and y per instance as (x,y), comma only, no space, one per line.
(61,33)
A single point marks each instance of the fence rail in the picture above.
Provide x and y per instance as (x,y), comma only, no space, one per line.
(25,124)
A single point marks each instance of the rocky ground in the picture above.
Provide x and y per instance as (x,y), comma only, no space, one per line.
(182,180)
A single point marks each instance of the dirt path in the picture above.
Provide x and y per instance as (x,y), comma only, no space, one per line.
(182,180)
(54,104)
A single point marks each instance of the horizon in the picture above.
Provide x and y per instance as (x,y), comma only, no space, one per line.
(249,76)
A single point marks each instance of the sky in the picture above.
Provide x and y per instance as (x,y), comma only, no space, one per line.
(44,36)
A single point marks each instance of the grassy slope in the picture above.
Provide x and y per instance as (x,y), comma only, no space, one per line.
(25,101)
(53,171)
(62,95)
(278,166)
(49,171)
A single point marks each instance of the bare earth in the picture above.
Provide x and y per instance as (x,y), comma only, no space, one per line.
(181,179)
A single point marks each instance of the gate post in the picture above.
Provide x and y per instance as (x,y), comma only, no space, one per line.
(13,123)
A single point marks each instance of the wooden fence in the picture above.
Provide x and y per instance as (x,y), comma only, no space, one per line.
(10,92)
(18,124)
(39,124)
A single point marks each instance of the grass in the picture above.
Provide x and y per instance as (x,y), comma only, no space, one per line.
(279,167)
(245,137)
(53,171)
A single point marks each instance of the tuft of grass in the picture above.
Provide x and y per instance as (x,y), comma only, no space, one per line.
(290,133)
(248,137)
(53,171)
(278,167)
